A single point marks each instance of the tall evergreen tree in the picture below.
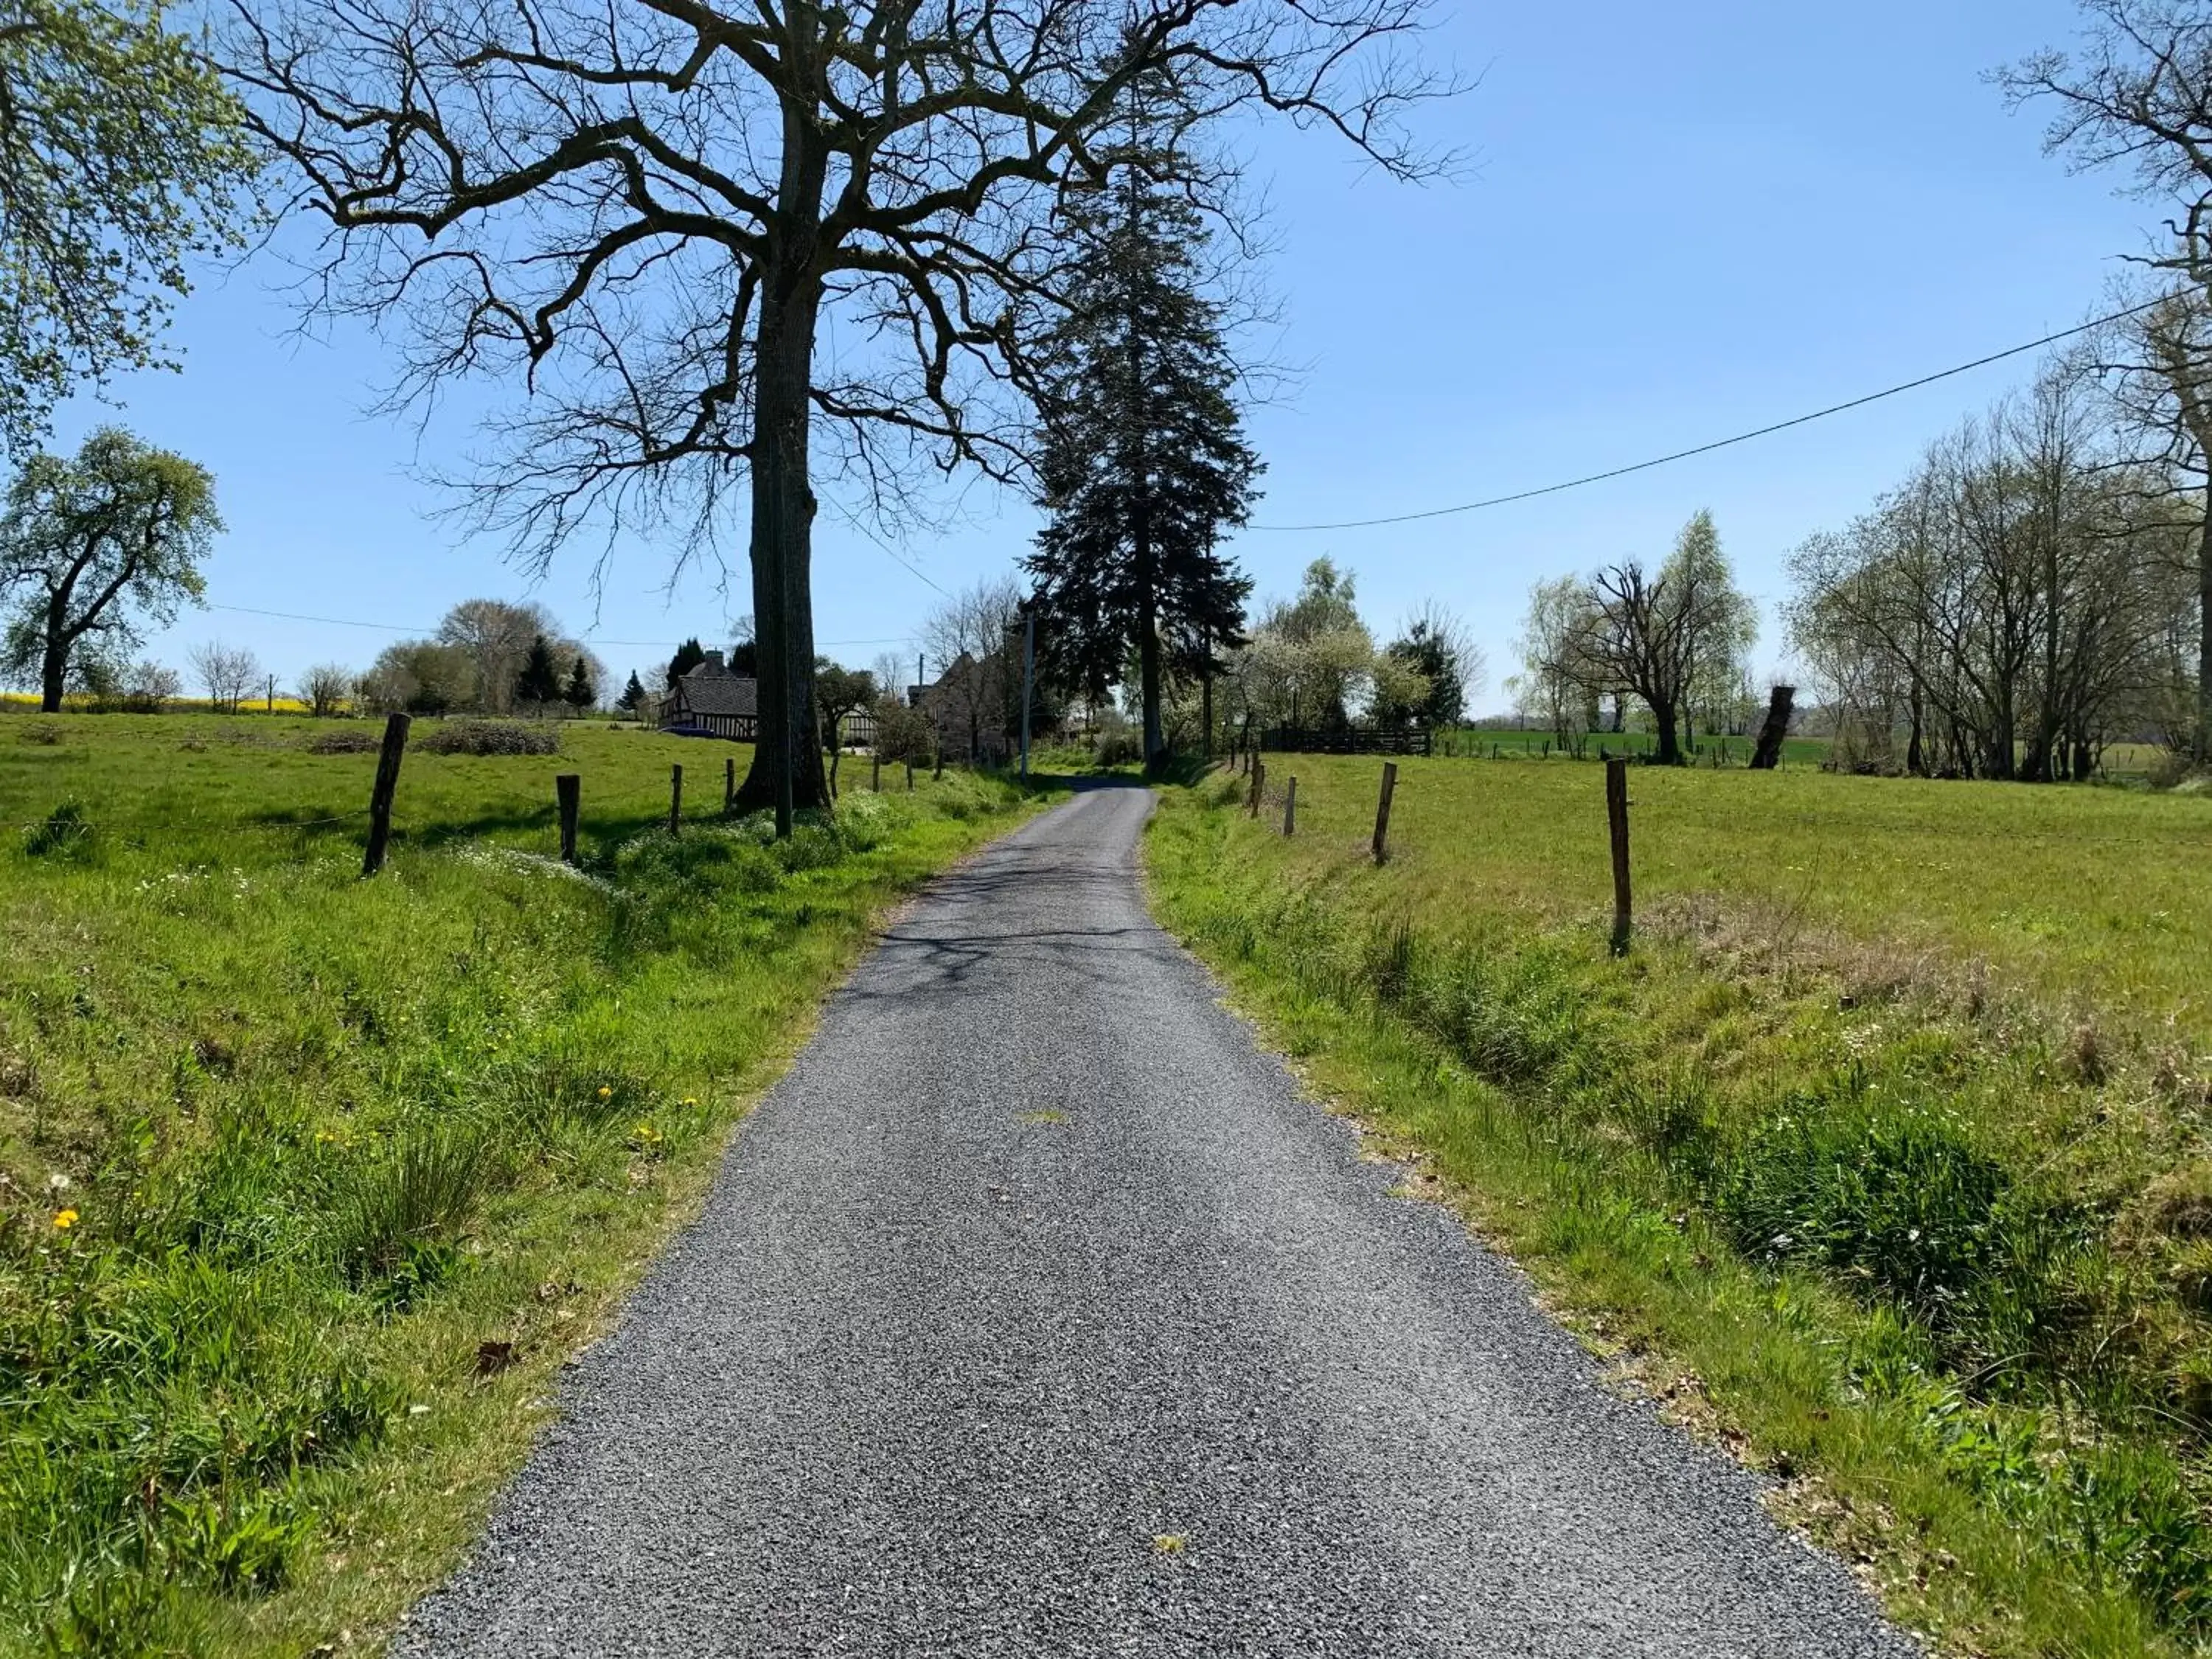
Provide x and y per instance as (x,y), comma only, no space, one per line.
(539,682)
(632,694)
(580,693)
(689,655)
(1143,463)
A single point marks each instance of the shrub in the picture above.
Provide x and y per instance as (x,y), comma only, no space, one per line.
(62,832)
(347,743)
(40,732)
(473,736)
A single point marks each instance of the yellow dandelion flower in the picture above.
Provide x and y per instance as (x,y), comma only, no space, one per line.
(687,1101)
(605,1093)
(64,1219)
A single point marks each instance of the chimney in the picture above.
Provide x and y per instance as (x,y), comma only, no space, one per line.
(714,664)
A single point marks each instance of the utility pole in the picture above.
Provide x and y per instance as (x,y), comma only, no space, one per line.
(1029,680)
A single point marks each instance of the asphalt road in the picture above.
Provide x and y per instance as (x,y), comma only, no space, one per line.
(1034,1313)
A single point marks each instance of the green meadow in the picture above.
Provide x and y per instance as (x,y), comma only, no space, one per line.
(308,1183)
(1881,1156)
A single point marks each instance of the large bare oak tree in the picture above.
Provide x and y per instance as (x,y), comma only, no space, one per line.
(774,246)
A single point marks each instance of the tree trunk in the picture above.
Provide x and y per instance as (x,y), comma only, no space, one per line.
(1670,746)
(2204,637)
(786,773)
(53,675)
(1768,754)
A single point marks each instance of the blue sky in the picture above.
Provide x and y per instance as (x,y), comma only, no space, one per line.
(1681,222)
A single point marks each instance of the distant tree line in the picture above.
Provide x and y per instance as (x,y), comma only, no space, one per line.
(2025,597)
(488,657)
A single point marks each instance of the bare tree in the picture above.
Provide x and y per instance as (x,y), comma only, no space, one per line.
(1664,636)
(973,635)
(228,672)
(2137,94)
(324,687)
(647,213)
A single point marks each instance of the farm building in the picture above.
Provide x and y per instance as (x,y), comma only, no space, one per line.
(711,701)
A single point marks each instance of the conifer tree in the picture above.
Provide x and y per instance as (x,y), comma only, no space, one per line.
(632,696)
(539,682)
(689,656)
(1143,463)
(580,693)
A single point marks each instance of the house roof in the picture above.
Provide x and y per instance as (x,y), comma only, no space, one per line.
(713,691)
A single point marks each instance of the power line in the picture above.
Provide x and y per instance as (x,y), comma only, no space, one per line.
(1724,443)
(394,627)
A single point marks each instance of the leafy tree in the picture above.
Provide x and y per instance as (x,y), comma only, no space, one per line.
(580,693)
(496,634)
(1435,648)
(632,694)
(1144,462)
(95,549)
(539,682)
(840,691)
(419,676)
(1664,636)
(659,209)
(689,656)
(121,156)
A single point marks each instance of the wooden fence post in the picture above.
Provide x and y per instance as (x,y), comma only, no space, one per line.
(1259,783)
(1291,807)
(1616,817)
(729,783)
(380,793)
(1383,810)
(674,797)
(568,789)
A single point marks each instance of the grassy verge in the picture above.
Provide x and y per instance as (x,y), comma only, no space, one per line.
(310,1183)
(1923,1234)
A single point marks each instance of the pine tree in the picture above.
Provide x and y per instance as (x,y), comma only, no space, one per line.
(689,655)
(633,695)
(580,693)
(539,682)
(1143,461)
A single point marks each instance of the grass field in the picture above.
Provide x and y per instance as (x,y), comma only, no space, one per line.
(1882,1153)
(311,1183)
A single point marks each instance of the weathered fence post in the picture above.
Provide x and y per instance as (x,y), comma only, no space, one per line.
(1616,817)
(1383,810)
(1259,783)
(1291,807)
(568,790)
(674,797)
(380,793)
(729,782)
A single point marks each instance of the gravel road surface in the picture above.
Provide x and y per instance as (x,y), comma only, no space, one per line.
(1034,1313)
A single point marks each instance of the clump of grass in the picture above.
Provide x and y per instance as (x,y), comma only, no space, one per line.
(64,832)
(43,733)
(395,1224)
